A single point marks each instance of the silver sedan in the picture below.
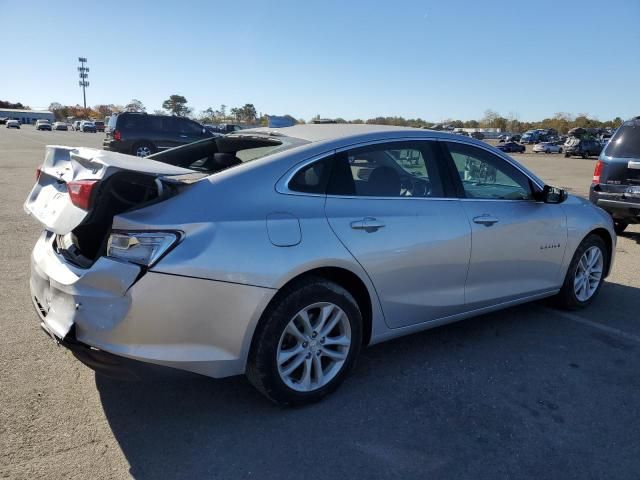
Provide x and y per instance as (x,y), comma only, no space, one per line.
(280,253)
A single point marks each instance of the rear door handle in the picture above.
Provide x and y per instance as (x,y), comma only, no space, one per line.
(368,224)
(183,136)
(486,220)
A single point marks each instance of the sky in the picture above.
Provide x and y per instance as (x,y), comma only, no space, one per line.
(435,60)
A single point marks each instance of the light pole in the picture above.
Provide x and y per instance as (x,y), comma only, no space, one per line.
(84,74)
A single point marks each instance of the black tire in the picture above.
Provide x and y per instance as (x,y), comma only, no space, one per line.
(140,147)
(566,298)
(620,226)
(585,154)
(262,368)
(566,155)
(560,151)
(547,151)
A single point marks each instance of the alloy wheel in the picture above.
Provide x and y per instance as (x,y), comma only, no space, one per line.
(313,347)
(588,274)
(143,151)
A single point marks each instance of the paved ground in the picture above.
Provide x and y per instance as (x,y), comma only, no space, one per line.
(526,393)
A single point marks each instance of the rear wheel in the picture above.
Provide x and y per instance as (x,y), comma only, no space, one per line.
(306,343)
(585,274)
(585,154)
(143,149)
(566,155)
(619,226)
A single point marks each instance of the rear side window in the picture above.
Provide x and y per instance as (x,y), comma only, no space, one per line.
(394,169)
(112,121)
(625,143)
(313,178)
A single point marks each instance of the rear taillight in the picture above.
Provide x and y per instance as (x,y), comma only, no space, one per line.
(116,135)
(80,192)
(38,172)
(596,172)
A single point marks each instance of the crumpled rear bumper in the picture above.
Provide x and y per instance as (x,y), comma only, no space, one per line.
(193,324)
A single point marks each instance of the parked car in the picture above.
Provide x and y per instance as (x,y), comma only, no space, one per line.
(511,147)
(585,148)
(509,138)
(142,134)
(99,125)
(76,125)
(477,135)
(87,126)
(281,256)
(43,125)
(223,128)
(60,126)
(11,123)
(548,147)
(616,177)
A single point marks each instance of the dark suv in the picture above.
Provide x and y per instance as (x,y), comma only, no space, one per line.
(142,134)
(585,148)
(616,178)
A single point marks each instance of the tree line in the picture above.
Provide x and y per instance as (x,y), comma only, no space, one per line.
(247,114)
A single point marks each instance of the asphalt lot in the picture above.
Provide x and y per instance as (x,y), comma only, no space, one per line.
(529,392)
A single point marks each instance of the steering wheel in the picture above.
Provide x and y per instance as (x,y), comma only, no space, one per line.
(414,187)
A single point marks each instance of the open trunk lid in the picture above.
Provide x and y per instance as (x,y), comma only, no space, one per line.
(50,202)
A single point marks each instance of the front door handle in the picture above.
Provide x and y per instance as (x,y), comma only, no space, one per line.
(486,220)
(368,224)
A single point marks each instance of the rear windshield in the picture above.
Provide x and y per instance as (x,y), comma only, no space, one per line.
(625,143)
(219,153)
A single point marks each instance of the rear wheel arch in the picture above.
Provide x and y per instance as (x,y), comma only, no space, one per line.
(340,276)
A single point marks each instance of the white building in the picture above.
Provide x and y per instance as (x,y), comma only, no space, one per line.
(26,116)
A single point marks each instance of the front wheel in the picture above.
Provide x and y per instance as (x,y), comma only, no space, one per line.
(306,343)
(585,274)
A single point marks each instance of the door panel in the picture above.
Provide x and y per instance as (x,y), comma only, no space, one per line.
(386,205)
(417,261)
(518,255)
(517,243)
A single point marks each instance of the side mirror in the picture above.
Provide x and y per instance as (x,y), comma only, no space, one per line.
(553,194)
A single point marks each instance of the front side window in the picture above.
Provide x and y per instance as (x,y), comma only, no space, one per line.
(487,176)
(395,169)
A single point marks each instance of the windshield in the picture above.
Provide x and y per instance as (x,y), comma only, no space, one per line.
(626,141)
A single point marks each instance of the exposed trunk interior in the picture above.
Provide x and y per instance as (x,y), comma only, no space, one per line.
(119,193)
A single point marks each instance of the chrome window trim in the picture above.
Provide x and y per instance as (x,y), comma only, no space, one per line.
(282,186)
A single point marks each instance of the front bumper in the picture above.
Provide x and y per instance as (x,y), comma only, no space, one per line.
(203,326)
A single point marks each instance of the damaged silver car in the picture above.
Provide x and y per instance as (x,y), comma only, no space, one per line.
(280,253)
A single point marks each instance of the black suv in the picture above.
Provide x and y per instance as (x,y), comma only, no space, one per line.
(142,134)
(616,178)
(585,148)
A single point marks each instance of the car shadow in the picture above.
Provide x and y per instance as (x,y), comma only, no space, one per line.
(501,395)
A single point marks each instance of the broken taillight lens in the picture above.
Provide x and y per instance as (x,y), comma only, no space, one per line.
(597,171)
(80,192)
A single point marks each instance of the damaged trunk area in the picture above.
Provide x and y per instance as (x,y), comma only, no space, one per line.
(121,192)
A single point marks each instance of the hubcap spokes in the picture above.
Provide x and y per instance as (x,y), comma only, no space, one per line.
(588,274)
(313,347)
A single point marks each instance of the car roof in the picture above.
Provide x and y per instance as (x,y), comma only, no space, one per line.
(319,132)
